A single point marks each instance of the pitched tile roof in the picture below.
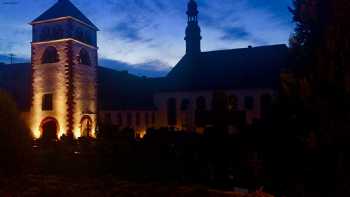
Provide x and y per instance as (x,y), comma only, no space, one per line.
(64,8)
(245,68)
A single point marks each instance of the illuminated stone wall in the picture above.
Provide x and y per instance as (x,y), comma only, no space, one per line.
(49,79)
(73,87)
(84,83)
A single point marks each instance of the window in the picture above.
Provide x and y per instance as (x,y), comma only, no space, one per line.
(232,103)
(120,119)
(50,55)
(153,118)
(138,119)
(146,119)
(201,113)
(84,57)
(201,103)
(185,104)
(172,119)
(249,103)
(47,102)
(266,104)
(129,119)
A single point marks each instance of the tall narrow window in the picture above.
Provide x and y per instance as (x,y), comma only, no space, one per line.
(138,119)
(120,119)
(201,114)
(47,102)
(50,55)
(266,104)
(153,118)
(129,119)
(146,119)
(84,57)
(172,119)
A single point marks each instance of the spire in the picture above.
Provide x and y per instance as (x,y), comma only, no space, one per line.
(193,31)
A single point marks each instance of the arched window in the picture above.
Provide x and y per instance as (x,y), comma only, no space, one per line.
(84,57)
(172,119)
(50,55)
(185,104)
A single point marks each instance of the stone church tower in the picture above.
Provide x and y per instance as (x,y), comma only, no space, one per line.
(64,61)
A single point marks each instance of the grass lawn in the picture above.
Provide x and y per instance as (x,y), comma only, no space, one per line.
(55,186)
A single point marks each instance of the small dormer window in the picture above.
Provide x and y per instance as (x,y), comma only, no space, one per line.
(84,57)
(50,55)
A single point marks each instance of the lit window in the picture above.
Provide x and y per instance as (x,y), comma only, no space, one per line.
(47,102)
(50,55)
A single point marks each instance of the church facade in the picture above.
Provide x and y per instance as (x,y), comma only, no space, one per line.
(70,94)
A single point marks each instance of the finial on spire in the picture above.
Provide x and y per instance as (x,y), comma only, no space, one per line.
(192,8)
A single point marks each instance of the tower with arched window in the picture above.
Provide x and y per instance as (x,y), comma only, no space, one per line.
(64,61)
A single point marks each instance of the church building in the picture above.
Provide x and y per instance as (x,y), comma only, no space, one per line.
(64,91)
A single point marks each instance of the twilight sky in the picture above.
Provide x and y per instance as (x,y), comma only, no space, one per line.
(147,36)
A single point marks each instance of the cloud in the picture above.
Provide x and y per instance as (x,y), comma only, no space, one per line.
(140,32)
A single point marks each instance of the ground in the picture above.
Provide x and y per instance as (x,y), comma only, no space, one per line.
(54,186)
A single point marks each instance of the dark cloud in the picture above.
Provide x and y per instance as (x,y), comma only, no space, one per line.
(128,31)
(234,33)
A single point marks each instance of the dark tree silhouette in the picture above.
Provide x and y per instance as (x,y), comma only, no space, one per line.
(15,139)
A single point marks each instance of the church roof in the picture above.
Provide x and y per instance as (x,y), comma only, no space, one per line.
(246,68)
(64,8)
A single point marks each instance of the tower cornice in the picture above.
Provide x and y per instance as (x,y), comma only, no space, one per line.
(64,40)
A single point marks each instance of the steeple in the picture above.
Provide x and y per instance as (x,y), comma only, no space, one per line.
(193,31)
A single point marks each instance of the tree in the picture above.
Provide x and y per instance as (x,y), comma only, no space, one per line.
(15,138)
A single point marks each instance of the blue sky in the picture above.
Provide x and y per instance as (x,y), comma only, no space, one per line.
(147,36)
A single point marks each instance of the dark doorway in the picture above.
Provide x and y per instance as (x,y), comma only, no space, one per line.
(49,128)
